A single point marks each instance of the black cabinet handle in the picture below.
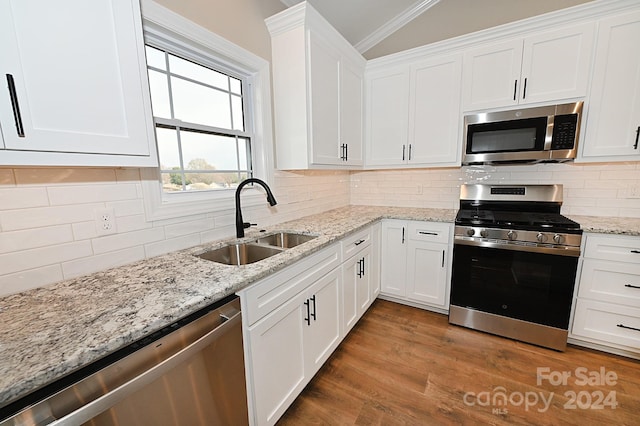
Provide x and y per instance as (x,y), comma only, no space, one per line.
(359,273)
(524,89)
(635,145)
(14,104)
(359,242)
(313,299)
(409,152)
(346,152)
(362,268)
(631,286)
(515,89)
(635,251)
(403,151)
(443,258)
(403,235)
(427,233)
(628,328)
(308,318)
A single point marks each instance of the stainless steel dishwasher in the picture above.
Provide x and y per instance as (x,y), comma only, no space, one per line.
(189,373)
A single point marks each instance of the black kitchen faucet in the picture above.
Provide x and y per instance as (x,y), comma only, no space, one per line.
(240,224)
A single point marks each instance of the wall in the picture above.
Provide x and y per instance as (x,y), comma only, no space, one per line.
(589,189)
(48,233)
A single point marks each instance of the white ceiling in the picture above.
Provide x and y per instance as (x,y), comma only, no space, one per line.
(380,27)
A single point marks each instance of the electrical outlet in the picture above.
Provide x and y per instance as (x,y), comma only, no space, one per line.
(105,220)
(634,191)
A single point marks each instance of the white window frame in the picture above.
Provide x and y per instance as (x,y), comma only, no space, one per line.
(168,30)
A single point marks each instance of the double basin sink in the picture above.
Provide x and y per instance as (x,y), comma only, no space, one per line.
(256,250)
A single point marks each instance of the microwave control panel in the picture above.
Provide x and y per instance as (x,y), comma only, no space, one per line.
(564,131)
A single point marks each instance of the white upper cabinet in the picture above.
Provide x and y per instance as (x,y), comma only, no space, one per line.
(74,89)
(613,124)
(318,80)
(544,67)
(413,114)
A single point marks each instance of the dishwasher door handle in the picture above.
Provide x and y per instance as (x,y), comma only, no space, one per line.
(104,402)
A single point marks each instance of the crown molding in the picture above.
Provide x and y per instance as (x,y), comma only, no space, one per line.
(591,11)
(394,24)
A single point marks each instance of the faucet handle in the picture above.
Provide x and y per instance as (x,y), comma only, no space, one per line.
(245,225)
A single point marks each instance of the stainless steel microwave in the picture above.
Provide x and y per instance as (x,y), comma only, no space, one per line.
(530,135)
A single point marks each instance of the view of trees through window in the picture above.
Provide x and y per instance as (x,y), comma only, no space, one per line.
(200,124)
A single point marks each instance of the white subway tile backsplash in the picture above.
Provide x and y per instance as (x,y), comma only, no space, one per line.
(22,198)
(188,227)
(173,244)
(33,238)
(130,239)
(46,216)
(84,230)
(61,195)
(87,265)
(28,279)
(17,261)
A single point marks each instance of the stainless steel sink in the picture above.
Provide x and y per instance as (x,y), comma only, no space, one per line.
(285,239)
(240,254)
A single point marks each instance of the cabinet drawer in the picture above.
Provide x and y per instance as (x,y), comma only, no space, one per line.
(271,292)
(435,232)
(607,322)
(356,242)
(613,282)
(619,248)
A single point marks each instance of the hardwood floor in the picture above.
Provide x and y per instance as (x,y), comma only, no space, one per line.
(402,365)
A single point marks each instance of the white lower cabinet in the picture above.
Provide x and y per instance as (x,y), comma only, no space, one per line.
(415,262)
(294,319)
(607,307)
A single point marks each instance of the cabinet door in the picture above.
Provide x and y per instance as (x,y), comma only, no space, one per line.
(614,111)
(349,293)
(427,272)
(322,335)
(325,101)
(434,111)
(374,266)
(387,117)
(351,115)
(278,359)
(491,75)
(394,258)
(555,65)
(78,77)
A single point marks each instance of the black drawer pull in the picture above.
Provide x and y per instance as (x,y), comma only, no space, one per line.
(635,251)
(628,328)
(631,286)
(635,145)
(308,318)
(313,299)
(427,233)
(359,242)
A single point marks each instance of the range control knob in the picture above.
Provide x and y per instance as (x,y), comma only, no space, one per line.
(484,233)
(541,237)
(512,235)
(471,232)
(558,238)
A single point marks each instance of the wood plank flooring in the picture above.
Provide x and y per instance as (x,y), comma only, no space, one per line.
(406,366)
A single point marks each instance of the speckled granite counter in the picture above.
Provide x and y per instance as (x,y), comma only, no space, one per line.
(54,330)
(49,332)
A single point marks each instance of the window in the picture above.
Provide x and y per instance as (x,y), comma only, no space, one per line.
(199,117)
(234,145)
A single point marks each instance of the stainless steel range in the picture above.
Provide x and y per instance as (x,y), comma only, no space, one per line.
(515,260)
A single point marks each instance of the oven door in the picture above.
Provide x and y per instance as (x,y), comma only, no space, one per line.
(532,287)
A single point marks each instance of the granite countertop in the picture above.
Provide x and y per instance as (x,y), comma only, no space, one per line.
(52,331)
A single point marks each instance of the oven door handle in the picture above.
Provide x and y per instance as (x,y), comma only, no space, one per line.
(564,251)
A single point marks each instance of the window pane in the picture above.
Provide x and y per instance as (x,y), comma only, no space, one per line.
(242,154)
(159,94)
(217,152)
(209,181)
(238,116)
(172,182)
(168,148)
(198,72)
(199,104)
(155,58)
(236,86)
